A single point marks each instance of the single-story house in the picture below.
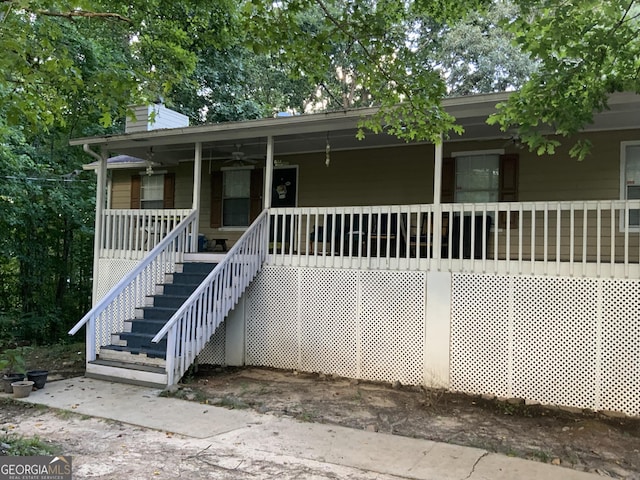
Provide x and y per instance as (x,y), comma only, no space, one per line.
(471,265)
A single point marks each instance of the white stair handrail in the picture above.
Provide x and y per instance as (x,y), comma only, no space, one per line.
(213,299)
(181,229)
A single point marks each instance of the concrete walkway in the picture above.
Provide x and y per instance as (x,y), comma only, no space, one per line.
(370,452)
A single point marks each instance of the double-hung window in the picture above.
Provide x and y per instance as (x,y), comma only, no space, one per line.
(152,191)
(236,198)
(477,178)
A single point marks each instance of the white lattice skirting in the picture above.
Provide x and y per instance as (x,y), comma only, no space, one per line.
(357,324)
(560,341)
(564,341)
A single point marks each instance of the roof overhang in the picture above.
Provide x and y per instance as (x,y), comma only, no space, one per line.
(309,133)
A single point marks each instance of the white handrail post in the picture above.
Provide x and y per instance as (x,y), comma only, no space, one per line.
(171,352)
(197,187)
(91,340)
(437,194)
(268,176)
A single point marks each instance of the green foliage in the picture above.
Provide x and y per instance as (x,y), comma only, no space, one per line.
(477,55)
(586,50)
(98,56)
(563,57)
(15,445)
(12,361)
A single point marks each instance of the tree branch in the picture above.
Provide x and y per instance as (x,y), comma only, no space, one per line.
(83,13)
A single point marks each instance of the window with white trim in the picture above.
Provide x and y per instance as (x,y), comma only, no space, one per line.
(477,178)
(631,178)
(152,191)
(236,198)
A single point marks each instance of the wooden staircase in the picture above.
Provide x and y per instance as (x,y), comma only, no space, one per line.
(132,357)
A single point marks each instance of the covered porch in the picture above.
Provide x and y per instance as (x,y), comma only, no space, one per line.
(376,267)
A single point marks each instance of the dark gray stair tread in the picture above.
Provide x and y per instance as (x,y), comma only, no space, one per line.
(128,366)
(161,309)
(191,277)
(140,336)
(172,296)
(198,267)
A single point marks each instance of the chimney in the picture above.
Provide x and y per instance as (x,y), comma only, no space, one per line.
(154,117)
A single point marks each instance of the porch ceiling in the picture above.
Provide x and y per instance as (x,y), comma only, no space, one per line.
(309,133)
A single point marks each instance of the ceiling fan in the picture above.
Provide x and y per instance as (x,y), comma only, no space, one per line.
(238,157)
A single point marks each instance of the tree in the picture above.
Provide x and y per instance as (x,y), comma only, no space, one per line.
(478,55)
(583,50)
(114,53)
(586,50)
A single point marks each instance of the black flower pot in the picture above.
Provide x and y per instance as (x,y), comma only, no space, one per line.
(38,377)
(8,379)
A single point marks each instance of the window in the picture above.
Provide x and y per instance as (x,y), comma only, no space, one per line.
(236,198)
(480,177)
(477,178)
(152,191)
(631,178)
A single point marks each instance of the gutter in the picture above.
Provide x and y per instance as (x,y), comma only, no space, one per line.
(88,150)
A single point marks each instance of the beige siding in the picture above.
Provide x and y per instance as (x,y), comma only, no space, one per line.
(367,177)
(561,177)
(404,175)
(121,188)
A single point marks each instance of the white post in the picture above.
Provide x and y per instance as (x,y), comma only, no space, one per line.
(437,194)
(268,176)
(197,187)
(101,183)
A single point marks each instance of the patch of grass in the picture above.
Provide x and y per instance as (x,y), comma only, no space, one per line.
(65,414)
(22,446)
(357,397)
(541,456)
(232,403)
(189,394)
(305,417)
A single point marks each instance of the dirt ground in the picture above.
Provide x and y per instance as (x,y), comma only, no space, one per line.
(583,440)
(587,441)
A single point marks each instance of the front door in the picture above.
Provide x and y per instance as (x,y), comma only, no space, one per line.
(284,188)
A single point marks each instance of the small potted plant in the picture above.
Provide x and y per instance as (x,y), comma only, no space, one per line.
(14,366)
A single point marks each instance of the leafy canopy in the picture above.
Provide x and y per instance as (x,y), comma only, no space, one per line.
(566,57)
(110,53)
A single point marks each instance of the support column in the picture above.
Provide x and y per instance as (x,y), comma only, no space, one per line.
(437,330)
(268,174)
(197,188)
(437,195)
(101,184)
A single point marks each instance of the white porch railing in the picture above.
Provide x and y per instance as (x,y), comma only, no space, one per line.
(134,233)
(190,328)
(586,238)
(108,316)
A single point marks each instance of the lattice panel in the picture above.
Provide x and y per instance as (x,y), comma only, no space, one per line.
(392,322)
(620,379)
(560,341)
(213,352)
(272,319)
(554,340)
(110,272)
(480,340)
(329,326)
